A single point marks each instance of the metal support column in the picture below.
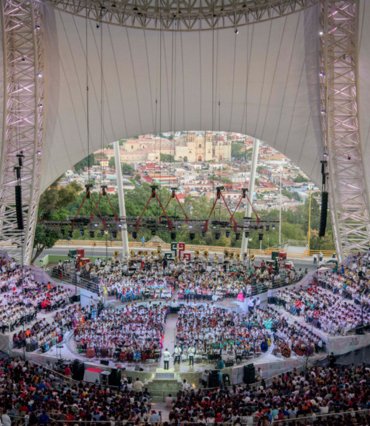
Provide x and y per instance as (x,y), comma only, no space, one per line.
(348,191)
(121,198)
(23,123)
(252,178)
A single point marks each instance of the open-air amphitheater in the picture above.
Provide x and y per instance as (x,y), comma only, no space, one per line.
(177,333)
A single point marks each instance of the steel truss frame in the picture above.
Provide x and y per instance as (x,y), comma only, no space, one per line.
(348,192)
(223,224)
(23,120)
(181,15)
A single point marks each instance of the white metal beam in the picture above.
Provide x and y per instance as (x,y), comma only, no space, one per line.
(349,196)
(121,199)
(252,178)
(23,120)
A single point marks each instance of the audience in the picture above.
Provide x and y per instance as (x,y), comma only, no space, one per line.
(133,333)
(291,395)
(208,333)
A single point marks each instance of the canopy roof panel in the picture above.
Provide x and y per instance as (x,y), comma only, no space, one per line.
(262,82)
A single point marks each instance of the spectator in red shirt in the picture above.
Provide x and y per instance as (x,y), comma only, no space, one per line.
(69,417)
(67,371)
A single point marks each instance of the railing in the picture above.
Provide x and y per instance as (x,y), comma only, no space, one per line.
(165,246)
(295,243)
(75,279)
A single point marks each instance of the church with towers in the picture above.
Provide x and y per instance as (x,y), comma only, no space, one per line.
(203,147)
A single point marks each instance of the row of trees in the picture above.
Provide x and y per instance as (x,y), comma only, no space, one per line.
(56,203)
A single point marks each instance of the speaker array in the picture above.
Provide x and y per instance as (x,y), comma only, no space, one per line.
(324,213)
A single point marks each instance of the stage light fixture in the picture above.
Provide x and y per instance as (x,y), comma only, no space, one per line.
(260,237)
(82,232)
(267,228)
(246,234)
(173,235)
(92,234)
(134,235)
(228,234)
(237,236)
(217,236)
(114,234)
(203,234)
(192,235)
(273,227)
(102,232)
(70,234)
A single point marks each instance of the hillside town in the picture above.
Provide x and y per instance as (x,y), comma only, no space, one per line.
(196,163)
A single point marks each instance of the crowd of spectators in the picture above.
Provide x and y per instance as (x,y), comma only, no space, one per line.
(23,297)
(208,333)
(291,395)
(327,311)
(38,395)
(133,333)
(34,395)
(297,336)
(153,279)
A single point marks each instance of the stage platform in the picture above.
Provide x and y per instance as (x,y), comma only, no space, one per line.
(270,365)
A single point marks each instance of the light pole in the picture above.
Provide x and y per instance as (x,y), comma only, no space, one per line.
(281,171)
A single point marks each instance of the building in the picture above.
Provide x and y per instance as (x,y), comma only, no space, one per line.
(203,148)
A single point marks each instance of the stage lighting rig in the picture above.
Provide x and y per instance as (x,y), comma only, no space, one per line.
(164,222)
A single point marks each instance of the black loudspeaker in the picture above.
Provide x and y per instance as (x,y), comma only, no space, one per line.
(137,368)
(213,379)
(18,206)
(324,213)
(249,374)
(115,377)
(103,362)
(78,370)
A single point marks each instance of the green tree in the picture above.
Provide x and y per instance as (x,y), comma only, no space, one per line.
(51,207)
(237,150)
(127,169)
(88,161)
(137,176)
(300,179)
(287,193)
(112,163)
(167,158)
(100,156)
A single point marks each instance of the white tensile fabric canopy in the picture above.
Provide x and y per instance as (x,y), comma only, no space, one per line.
(262,82)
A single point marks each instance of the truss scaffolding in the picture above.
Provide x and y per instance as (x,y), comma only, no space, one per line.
(349,196)
(181,15)
(23,121)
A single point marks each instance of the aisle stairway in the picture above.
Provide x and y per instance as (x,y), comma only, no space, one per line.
(164,383)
